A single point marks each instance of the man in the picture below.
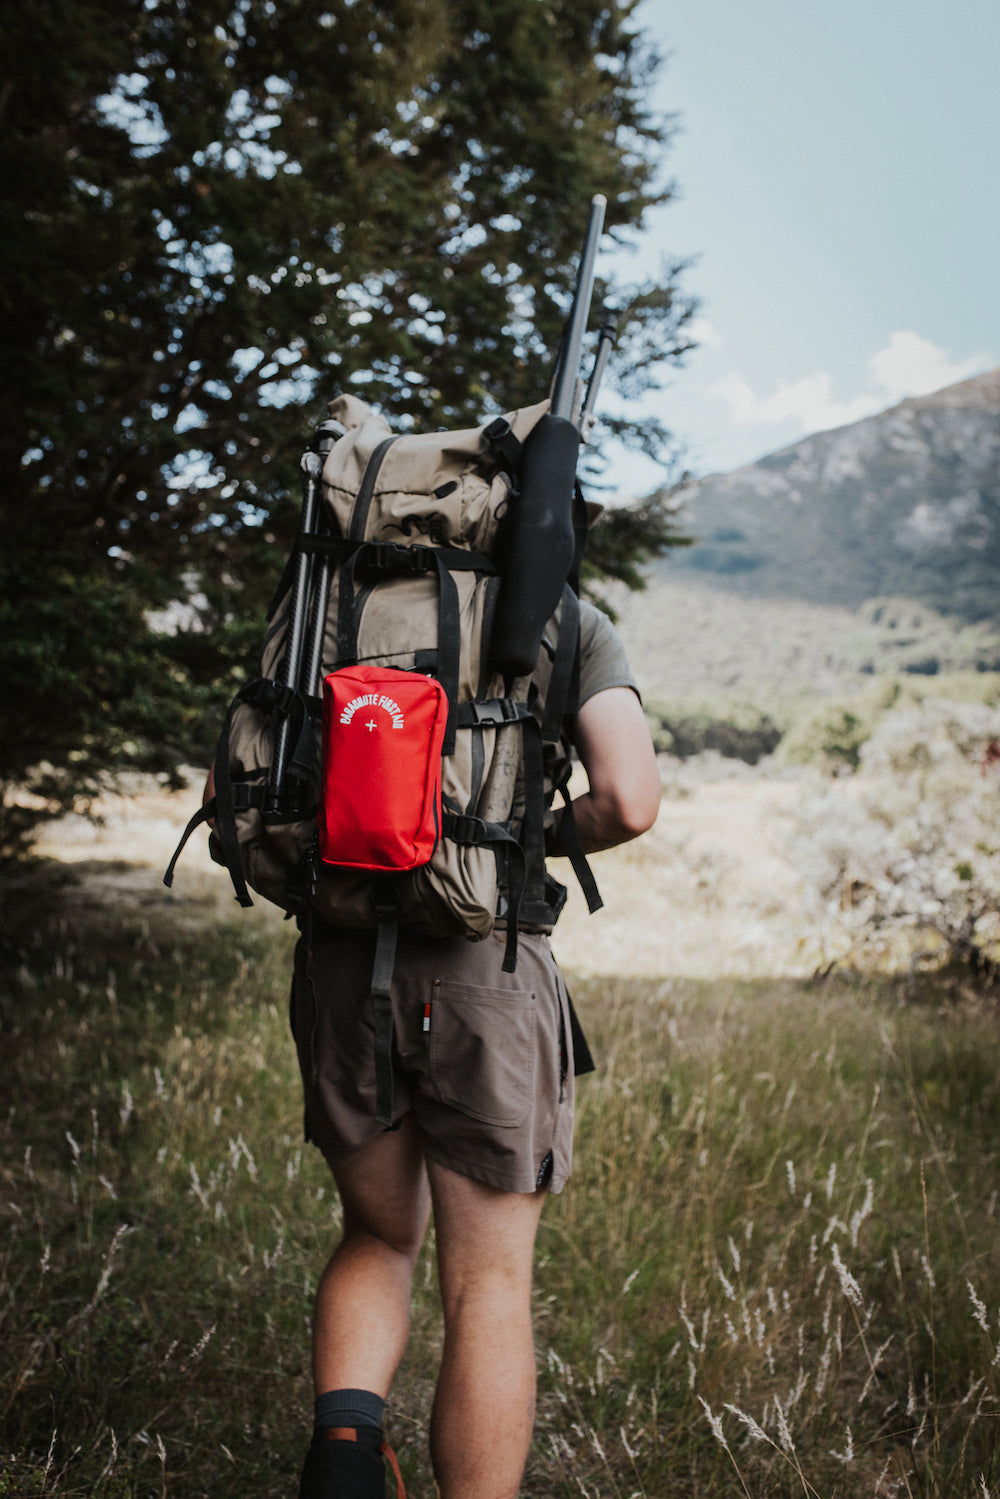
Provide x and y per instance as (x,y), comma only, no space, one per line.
(484,1104)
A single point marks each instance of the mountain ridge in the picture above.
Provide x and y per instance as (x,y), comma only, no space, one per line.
(905,503)
(868,548)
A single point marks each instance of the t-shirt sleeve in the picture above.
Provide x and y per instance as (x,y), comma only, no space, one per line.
(603,662)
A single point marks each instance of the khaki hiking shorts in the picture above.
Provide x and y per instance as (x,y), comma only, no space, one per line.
(483,1058)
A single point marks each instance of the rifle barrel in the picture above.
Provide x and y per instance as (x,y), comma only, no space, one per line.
(564,395)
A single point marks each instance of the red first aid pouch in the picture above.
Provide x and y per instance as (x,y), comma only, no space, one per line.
(380,792)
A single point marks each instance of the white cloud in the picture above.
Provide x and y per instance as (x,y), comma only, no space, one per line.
(912,366)
(908,366)
(810,402)
(704,332)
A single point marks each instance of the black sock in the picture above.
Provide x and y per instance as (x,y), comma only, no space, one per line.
(348,1408)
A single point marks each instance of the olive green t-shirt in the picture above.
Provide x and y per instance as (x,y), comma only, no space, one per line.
(603,662)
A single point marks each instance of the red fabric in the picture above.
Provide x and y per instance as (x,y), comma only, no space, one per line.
(380,799)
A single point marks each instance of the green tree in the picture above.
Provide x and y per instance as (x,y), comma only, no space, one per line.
(226,212)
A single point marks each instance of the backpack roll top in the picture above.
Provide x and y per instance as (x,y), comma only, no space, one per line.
(446,489)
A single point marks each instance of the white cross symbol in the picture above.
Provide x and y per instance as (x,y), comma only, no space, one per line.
(371,724)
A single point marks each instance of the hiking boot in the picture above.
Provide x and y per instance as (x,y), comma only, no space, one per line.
(346,1462)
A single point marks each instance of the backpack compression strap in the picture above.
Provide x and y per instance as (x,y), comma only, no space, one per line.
(389,558)
(560,702)
(205,813)
(387,912)
(223,807)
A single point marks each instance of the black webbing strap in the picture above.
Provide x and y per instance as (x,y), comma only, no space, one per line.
(302,761)
(516,880)
(581,525)
(203,814)
(225,802)
(449,646)
(347,626)
(243,797)
(533,824)
(462,827)
(500,436)
(569,842)
(458,561)
(387,911)
(275,697)
(583,1059)
(563,688)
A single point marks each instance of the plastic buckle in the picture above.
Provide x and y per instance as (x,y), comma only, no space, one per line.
(393,557)
(495,710)
(465,829)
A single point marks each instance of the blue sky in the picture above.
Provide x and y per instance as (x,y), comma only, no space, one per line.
(838,169)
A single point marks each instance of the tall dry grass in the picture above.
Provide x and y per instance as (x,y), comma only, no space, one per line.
(774,1272)
(780,1253)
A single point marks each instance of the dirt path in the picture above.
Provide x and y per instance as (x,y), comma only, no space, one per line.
(710,891)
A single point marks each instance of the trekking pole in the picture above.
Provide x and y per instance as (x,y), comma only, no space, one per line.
(565,393)
(326,435)
(298,616)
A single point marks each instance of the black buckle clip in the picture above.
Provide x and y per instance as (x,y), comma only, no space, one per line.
(393,557)
(462,828)
(496,710)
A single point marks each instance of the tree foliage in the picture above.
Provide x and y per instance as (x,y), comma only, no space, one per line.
(226,213)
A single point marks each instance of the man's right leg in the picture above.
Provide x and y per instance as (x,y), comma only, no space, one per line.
(484,1407)
(362,1315)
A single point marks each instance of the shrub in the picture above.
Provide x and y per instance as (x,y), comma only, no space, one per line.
(737,732)
(909,848)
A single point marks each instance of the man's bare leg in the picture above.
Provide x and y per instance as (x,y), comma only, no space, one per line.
(484,1407)
(362,1315)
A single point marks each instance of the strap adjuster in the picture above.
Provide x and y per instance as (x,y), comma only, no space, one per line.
(463,828)
(394,557)
(490,712)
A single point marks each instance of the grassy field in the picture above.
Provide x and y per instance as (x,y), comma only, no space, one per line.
(775,1271)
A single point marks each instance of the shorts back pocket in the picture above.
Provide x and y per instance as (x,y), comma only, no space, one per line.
(482,1051)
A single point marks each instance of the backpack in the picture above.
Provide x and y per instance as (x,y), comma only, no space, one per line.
(429,566)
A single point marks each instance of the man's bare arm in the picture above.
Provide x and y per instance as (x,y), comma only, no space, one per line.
(615,749)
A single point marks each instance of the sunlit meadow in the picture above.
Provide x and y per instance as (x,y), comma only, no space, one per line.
(774,1272)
